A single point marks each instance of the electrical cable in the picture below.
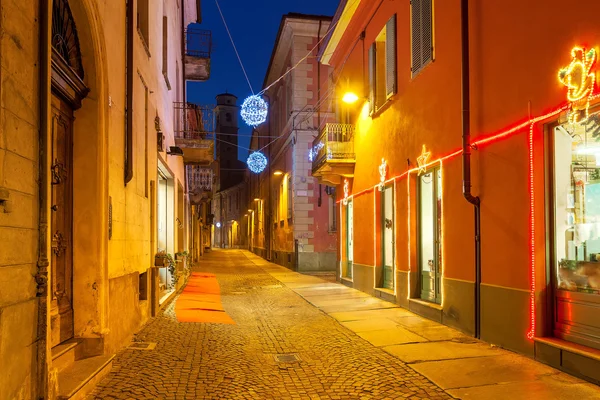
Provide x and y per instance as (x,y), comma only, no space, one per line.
(233,44)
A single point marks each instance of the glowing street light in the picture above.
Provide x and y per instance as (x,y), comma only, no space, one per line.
(350,98)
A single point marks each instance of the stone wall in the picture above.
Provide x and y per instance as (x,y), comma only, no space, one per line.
(19,124)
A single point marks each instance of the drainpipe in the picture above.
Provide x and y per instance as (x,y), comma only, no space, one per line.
(129,94)
(43,262)
(466,158)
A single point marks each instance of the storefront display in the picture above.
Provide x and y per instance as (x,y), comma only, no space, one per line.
(577,230)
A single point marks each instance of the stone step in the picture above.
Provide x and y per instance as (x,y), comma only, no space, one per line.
(80,378)
(64,354)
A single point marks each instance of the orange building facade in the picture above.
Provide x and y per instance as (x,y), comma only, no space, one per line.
(516,266)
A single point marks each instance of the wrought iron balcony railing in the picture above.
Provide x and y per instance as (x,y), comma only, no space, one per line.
(335,143)
(193,121)
(198,43)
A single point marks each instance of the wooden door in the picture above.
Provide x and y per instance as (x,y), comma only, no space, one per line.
(387,229)
(430,214)
(61,222)
(349,238)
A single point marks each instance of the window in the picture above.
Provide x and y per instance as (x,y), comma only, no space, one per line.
(332,211)
(165,51)
(142,21)
(421,34)
(228,117)
(143,286)
(382,66)
(289,197)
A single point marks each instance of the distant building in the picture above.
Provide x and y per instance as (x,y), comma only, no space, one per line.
(293,219)
(229,199)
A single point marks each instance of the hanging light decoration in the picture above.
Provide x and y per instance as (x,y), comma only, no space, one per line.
(254,110)
(257,162)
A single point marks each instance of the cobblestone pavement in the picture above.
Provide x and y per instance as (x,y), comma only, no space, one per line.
(213,361)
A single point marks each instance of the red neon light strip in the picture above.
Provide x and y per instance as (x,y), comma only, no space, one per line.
(531,333)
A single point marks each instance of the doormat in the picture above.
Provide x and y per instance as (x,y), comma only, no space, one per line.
(200,301)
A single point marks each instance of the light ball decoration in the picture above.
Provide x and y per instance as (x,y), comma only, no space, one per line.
(254,110)
(257,162)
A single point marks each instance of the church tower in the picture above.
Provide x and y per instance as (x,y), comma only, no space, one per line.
(227,112)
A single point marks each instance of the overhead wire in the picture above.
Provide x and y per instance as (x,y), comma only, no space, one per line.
(234,47)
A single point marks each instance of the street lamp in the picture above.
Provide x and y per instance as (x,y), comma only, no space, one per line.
(350,98)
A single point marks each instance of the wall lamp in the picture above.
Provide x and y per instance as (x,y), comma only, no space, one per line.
(278,173)
(350,98)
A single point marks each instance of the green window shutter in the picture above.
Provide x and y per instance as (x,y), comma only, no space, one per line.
(415,26)
(390,56)
(372,78)
(426,31)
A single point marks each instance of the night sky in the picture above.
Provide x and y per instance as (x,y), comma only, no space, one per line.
(253,25)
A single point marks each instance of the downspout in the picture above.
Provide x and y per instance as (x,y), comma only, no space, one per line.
(466,158)
(270,208)
(129,94)
(319,201)
(43,348)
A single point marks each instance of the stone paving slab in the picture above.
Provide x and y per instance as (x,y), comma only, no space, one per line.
(481,371)
(392,336)
(546,390)
(370,325)
(436,351)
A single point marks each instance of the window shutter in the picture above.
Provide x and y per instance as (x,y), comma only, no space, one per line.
(415,26)
(390,56)
(372,78)
(426,32)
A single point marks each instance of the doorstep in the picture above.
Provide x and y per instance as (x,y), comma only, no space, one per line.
(426,309)
(573,358)
(385,294)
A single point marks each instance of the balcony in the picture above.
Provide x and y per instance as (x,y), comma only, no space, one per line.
(194,132)
(198,46)
(200,183)
(332,154)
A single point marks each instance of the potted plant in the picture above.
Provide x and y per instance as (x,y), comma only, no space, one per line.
(160,258)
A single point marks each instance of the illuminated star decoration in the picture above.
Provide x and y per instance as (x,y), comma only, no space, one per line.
(257,162)
(254,110)
(382,174)
(346,191)
(423,159)
(580,80)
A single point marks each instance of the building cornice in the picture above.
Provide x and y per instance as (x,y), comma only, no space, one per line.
(342,19)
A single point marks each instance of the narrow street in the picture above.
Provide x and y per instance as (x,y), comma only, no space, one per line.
(342,342)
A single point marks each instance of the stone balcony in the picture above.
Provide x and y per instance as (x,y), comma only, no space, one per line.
(332,154)
(198,47)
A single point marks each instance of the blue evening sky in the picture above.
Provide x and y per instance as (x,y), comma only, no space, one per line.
(253,25)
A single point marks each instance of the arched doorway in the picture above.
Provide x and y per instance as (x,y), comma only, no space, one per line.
(68,90)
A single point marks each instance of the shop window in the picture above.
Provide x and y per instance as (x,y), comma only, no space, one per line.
(382,66)
(577,206)
(421,24)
